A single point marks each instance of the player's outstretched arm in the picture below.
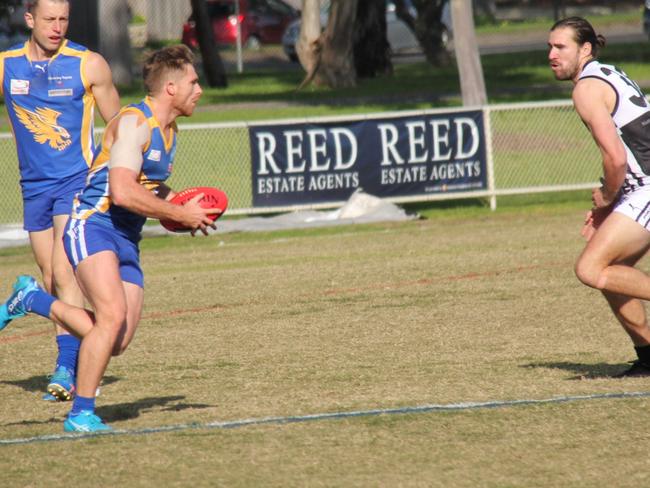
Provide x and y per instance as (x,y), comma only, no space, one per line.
(100,78)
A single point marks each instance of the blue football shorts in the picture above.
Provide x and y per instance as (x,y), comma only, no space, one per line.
(39,210)
(82,239)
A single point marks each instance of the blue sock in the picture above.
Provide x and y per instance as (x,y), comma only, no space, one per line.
(82,403)
(39,302)
(68,346)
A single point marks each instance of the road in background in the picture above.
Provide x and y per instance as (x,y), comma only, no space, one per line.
(272,57)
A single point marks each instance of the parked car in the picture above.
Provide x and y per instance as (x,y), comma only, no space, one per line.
(260,21)
(400,37)
(646,18)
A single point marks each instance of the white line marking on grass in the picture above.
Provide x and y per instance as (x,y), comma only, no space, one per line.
(450,407)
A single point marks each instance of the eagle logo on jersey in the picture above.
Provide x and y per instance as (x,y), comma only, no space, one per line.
(43,124)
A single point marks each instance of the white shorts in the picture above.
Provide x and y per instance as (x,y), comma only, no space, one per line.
(635,205)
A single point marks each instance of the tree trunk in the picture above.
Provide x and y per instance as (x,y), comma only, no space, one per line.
(213,67)
(84,26)
(403,13)
(472,84)
(114,40)
(427,27)
(371,48)
(308,47)
(336,67)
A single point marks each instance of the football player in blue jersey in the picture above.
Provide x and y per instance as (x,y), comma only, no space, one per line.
(51,87)
(617,228)
(101,239)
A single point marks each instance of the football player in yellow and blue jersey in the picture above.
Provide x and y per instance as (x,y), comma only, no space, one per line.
(125,185)
(51,87)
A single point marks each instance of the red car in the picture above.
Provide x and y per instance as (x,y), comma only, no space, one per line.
(261,22)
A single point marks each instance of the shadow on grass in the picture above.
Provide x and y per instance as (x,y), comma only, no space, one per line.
(127,411)
(583,371)
(112,413)
(27,423)
(39,383)
(423,208)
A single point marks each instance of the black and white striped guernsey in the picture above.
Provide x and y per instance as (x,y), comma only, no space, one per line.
(631,116)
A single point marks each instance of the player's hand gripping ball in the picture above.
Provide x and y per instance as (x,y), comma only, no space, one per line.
(212,198)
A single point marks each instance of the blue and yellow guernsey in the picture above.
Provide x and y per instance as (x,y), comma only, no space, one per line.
(94,204)
(51,109)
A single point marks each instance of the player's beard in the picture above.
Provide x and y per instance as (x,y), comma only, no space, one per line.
(562,76)
(569,72)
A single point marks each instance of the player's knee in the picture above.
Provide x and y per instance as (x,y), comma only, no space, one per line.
(48,278)
(112,321)
(588,274)
(63,278)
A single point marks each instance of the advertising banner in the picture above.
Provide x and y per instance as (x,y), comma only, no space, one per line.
(310,163)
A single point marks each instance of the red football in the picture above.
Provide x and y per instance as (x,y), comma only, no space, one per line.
(212,198)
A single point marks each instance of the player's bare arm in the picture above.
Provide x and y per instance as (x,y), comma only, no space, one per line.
(130,137)
(99,76)
(594,102)
(127,192)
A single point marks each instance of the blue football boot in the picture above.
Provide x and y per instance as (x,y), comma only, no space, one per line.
(61,385)
(85,421)
(14,307)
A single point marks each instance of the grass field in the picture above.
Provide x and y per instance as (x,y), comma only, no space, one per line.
(461,308)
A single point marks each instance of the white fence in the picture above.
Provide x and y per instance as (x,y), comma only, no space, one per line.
(531,147)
